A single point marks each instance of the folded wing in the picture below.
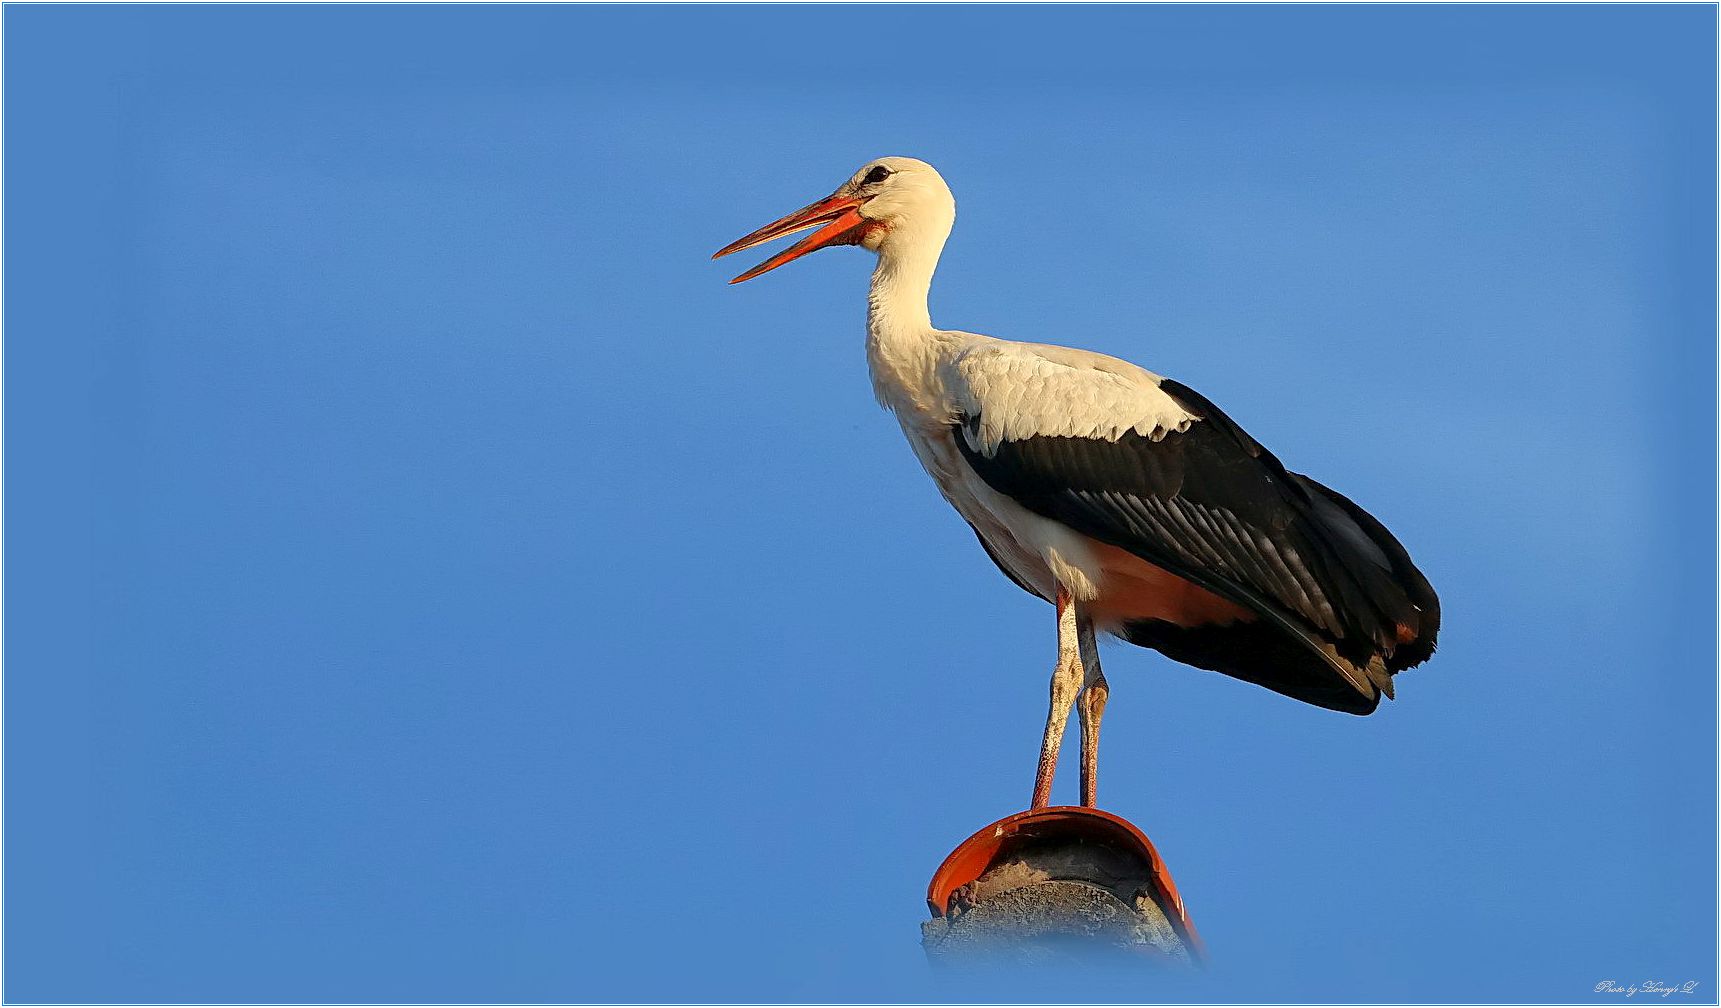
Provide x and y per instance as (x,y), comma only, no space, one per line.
(1148,465)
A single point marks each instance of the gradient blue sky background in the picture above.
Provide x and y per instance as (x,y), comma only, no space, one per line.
(427,581)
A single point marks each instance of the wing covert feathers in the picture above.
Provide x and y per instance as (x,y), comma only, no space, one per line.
(1152,467)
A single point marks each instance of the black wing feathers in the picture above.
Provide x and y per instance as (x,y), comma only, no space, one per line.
(1210,504)
(1423,619)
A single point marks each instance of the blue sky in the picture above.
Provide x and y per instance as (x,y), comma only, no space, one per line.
(428,581)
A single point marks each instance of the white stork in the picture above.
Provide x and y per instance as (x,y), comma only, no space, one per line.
(1127,500)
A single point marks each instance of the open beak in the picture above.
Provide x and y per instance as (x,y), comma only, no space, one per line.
(842,225)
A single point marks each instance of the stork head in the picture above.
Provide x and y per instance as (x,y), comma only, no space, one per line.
(893,206)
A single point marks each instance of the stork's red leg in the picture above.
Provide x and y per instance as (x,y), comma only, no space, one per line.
(1066,683)
(1090,707)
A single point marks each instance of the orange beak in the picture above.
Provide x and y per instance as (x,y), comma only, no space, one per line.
(843,225)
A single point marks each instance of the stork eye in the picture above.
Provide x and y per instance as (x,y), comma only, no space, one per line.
(878,174)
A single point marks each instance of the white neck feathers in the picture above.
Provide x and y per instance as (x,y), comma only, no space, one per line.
(897,303)
(902,345)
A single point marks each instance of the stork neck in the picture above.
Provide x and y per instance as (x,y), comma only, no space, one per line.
(896,305)
(902,347)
